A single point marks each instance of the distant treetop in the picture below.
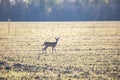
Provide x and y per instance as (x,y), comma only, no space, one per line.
(59,10)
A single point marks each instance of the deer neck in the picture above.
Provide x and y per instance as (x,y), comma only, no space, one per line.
(56,41)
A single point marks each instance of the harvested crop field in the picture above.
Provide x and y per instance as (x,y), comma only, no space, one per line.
(85,51)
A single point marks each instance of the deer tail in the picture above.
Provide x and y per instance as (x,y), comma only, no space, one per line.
(42,45)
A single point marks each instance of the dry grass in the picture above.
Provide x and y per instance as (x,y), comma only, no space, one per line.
(85,51)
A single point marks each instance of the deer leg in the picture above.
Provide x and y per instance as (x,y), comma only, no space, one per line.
(44,49)
(53,49)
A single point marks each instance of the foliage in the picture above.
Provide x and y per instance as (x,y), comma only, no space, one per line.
(59,10)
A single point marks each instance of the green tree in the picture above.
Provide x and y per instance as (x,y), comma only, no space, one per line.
(5,9)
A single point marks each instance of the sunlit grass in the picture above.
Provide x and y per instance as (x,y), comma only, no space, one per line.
(85,51)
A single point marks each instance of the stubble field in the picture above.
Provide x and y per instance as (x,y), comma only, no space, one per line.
(85,51)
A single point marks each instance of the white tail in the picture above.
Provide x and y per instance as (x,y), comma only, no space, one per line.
(50,44)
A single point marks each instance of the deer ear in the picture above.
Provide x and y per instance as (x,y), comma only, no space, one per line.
(57,38)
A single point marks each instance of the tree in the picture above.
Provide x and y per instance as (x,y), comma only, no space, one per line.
(59,10)
(5,10)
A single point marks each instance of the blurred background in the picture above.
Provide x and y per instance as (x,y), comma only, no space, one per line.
(59,10)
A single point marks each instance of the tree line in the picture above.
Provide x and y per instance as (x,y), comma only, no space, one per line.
(59,10)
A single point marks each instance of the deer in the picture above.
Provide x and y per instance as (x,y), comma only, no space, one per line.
(50,44)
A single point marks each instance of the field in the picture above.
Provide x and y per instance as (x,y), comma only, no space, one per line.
(85,51)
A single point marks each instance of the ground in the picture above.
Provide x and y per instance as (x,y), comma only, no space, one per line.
(85,51)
